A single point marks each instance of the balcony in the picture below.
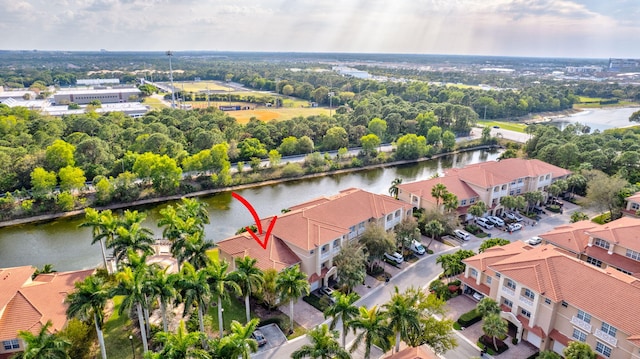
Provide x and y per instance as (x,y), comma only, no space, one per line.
(526,301)
(581,324)
(606,337)
(509,291)
(336,249)
(325,254)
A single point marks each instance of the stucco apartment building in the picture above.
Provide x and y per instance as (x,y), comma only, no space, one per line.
(553,298)
(313,232)
(27,304)
(487,182)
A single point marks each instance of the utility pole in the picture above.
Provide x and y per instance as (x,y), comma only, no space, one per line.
(173,90)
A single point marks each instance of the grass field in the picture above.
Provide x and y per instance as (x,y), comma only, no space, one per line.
(116,335)
(511,126)
(201,86)
(154,103)
(266,113)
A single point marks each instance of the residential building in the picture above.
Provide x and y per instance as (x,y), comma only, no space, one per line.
(633,204)
(27,304)
(487,182)
(313,232)
(612,245)
(552,298)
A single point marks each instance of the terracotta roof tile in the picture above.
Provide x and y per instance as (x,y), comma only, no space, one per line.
(453,183)
(277,255)
(413,353)
(624,232)
(572,237)
(559,337)
(634,197)
(11,280)
(614,259)
(471,282)
(535,329)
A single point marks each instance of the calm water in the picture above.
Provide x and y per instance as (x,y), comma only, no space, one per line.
(600,118)
(68,247)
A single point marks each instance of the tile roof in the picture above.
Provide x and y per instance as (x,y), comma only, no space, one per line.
(277,255)
(634,197)
(571,237)
(614,259)
(453,183)
(471,282)
(36,301)
(624,232)
(495,254)
(421,352)
(560,277)
(318,222)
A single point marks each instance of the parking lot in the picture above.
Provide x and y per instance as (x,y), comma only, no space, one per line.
(275,337)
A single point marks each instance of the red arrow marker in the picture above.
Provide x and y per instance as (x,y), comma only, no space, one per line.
(262,243)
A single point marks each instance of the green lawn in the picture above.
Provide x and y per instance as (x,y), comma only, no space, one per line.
(511,126)
(116,335)
(233,310)
(154,103)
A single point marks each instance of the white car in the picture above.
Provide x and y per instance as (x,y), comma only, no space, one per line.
(514,227)
(462,234)
(417,247)
(483,222)
(495,220)
(394,257)
(513,216)
(534,241)
(478,296)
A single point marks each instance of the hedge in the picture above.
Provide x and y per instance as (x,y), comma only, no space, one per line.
(469,318)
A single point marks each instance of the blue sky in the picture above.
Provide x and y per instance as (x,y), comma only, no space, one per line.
(545,28)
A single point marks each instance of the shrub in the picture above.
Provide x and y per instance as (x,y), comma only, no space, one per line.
(292,170)
(469,318)
(488,342)
(274,320)
(553,208)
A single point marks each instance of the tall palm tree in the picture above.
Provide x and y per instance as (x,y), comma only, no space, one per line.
(323,345)
(193,288)
(104,226)
(373,328)
(131,284)
(494,326)
(194,208)
(88,300)
(44,345)
(181,344)
(222,284)
(342,310)
(134,237)
(404,317)
(240,343)
(434,229)
(249,278)
(162,285)
(194,250)
(487,306)
(292,284)
(439,191)
(394,190)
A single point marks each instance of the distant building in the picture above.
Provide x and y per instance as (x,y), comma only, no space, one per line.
(583,69)
(96,82)
(132,109)
(85,96)
(624,64)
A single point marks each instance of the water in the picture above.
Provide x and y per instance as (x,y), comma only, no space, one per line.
(68,247)
(600,118)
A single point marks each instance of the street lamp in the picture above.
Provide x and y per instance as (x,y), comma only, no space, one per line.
(133,350)
(173,90)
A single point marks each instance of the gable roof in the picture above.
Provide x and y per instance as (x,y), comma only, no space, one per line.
(277,255)
(34,302)
(453,183)
(624,232)
(572,237)
(555,275)
(634,197)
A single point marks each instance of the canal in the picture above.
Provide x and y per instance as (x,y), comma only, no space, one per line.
(68,247)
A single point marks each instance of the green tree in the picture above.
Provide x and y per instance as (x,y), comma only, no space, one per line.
(635,117)
(448,140)
(404,316)
(274,158)
(603,193)
(305,145)
(492,242)
(335,138)
(181,344)
(65,201)
(434,229)
(487,306)
(494,326)
(194,290)
(222,284)
(378,127)
(134,238)
(240,342)
(548,354)
(376,241)
(406,232)
(434,135)
(162,285)
(131,285)
(579,216)
(578,350)
(71,178)
(411,146)
(42,181)
(350,263)
(371,327)
(292,284)
(44,345)
(163,171)
(323,345)
(59,154)
(193,249)
(394,190)
(289,146)
(249,278)
(533,198)
(104,191)
(369,144)
(478,209)
(87,302)
(103,230)
(344,311)
(439,191)
(269,290)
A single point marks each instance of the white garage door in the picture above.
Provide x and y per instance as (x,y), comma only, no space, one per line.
(534,339)
(558,347)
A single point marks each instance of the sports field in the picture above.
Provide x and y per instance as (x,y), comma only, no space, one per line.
(263,113)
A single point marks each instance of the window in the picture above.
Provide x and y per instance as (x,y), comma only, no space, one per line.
(472,201)
(579,335)
(585,317)
(633,255)
(525,312)
(498,275)
(11,344)
(514,182)
(609,329)
(565,304)
(541,178)
(414,199)
(510,284)
(635,206)
(389,217)
(397,213)
(488,280)
(547,301)
(474,273)
(603,349)
(325,248)
(601,243)
(504,186)
(512,192)
(595,262)
(548,176)
(624,271)
(463,202)
(529,294)
(336,243)
(519,180)
(496,189)
(312,251)
(518,191)
(507,302)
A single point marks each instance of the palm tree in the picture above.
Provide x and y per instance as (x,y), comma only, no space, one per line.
(450,202)
(88,300)
(477,209)
(162,285)
(394,190)
(193,288)
(240,343)
(434,229)
(131,284)
(576,181)
(533,198)
(103,225)
(196,209)
(439,191)
(403,316)
(446,262)
(292,284)
(222,284)
(487,306)
(182,344)
(194,250)
(494,326)
(134,237)
(44,345)
(323,345)
(269,290)
(374,329)
(578,350)
(342,310)
(249,278)
(46,269)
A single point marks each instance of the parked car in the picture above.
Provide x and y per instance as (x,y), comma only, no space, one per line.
(514,227)
(259,337)
(513,216)
(327,292)
(478,296)
(534,241)
(495,221)
(417,247)
(462,234)
(483,222)
(394,257)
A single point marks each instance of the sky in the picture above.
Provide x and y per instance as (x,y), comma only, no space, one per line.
(540,28)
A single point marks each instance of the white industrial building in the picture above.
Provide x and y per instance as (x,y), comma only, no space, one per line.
(85,96)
